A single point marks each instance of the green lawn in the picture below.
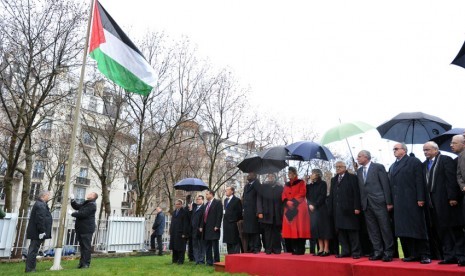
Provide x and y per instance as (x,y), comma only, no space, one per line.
(146,265)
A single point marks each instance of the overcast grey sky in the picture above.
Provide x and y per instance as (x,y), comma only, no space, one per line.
(318,61)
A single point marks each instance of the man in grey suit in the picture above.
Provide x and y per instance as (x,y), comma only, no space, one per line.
(375,194)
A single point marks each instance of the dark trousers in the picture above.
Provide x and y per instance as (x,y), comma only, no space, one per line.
(158,238)
(253,242)
(379,230)
(350,242)
(234,248)
(85,241)
(32,255)
(190,250)
(198,246)
(272,238)
(178,256)
(453,242)
(417,248)
(212,248)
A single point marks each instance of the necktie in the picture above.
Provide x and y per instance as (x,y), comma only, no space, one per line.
(339,179)
(176,213)
(226,202)
(206,212)
(364,173)
(430,163)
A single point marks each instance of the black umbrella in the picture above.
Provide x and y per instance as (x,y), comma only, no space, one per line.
(413,127)
(191,184)
(460,58)
(443,140)
(266,161)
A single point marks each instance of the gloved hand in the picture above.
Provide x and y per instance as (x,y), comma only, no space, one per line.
(41,236)
(71,197)
(290,204)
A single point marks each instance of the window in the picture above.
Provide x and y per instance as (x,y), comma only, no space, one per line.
(47,125)
(43,148)
(34,191)
(59,194)
(80,195)
(3,167)
(83,172)
(2,191)
(38,171)
(87,138)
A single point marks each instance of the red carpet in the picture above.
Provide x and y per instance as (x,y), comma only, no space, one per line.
(287,264)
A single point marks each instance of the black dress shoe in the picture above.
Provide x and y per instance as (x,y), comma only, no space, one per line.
(268,252)
(461,262)
(318,253)
(387,259)
(356,257)
(410,259)
(425,260)
(341,256)
(375,258)
(448,261)
(324,254)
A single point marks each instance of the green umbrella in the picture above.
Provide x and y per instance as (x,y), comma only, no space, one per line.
(344,130)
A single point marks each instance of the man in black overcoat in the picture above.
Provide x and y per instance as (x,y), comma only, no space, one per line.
(251,227)
(85,226)
(232,214)
(211,229)
(189,207)
(270,213)
(408,191)
(444,204)
(376,201)
(198,244)
(179,232)
(344,204)
(39,228)
(158,228)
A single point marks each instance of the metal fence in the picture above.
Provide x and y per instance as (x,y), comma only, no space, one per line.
(117,234)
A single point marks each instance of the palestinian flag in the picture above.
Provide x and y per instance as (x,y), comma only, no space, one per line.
(117,57)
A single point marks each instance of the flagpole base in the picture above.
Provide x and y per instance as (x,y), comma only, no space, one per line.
(57,259)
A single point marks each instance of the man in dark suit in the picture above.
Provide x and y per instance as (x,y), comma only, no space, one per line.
(408,191)
(85,226)
(270,214)
(39,228)
(232,214)
(376,200)
(211,229)
(189,207)
(251,227)
(179,232)
(198,244)
(443,193)
(344,204)
(158,228)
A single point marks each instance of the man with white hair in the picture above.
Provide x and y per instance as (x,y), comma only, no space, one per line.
(442,196)
(39,228)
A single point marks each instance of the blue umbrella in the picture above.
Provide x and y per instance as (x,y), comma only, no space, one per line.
(309,150)
(191,184)
(443,140)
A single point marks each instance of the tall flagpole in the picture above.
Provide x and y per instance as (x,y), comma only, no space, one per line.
(69,165)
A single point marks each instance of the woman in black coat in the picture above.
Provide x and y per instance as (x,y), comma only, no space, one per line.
(319,215)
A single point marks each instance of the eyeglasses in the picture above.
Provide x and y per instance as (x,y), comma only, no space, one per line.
(394,149)
(340,166)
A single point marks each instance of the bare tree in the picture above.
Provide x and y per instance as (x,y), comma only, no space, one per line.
(158,117)
(39,45)
(225,119)
(106,128)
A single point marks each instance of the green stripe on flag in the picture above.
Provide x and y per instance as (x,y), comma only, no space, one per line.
(119,74)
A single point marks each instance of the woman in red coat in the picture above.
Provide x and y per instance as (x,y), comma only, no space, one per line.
(296,220)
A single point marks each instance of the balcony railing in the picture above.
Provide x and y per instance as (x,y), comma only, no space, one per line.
(38,175)
(82,181)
